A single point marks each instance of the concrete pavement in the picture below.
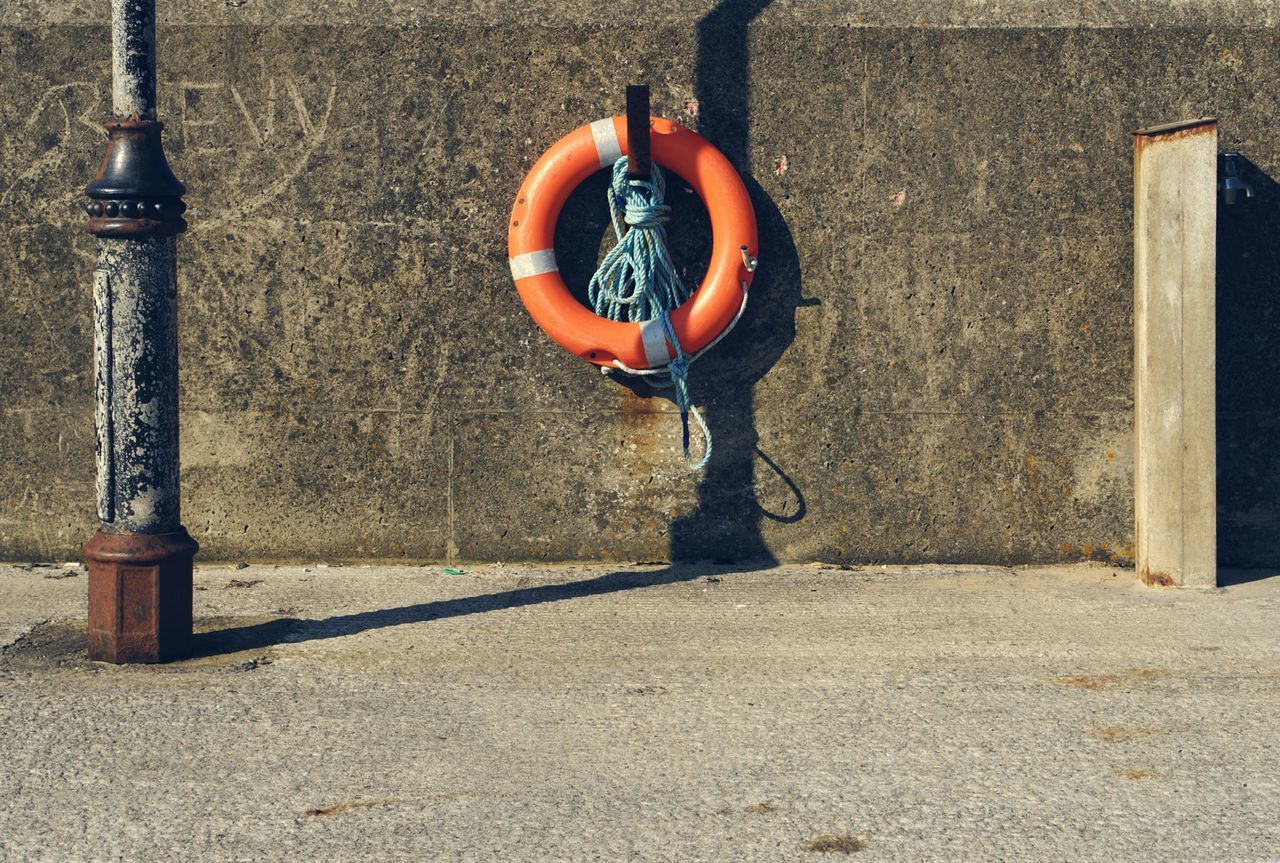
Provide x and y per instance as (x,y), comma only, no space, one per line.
(651,713)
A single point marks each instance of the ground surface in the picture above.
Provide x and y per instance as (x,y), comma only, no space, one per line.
(648,713)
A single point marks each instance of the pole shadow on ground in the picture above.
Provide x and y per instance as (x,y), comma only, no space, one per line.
(293,630)
(723,532)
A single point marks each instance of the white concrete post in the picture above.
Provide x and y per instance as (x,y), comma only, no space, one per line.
(1175,476)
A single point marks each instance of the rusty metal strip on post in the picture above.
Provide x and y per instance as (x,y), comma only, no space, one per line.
(638,149)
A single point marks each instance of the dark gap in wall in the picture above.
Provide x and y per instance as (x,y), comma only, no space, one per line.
(1248,375)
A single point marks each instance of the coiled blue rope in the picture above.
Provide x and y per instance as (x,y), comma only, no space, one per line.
(638,282)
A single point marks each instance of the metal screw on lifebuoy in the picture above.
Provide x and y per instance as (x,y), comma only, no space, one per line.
(140,559)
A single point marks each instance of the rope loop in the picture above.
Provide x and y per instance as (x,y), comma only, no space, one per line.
(637,281)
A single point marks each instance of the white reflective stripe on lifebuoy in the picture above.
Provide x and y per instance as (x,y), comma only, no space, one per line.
(655,343)
(533,264)
(607,146)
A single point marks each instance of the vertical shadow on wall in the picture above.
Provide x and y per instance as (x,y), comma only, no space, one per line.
(725,526)
(1248,376)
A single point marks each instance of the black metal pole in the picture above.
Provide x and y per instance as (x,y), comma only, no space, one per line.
(140,559)
(638,131)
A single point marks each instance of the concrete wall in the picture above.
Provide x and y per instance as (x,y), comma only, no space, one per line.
(936,363)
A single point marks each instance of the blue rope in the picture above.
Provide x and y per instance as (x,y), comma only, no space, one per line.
(638,282)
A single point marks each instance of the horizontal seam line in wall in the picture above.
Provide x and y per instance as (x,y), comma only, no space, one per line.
(671,411)
(424,412)
(1092,232)
(463,21)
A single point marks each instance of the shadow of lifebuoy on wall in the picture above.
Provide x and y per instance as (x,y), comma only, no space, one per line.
(725,525)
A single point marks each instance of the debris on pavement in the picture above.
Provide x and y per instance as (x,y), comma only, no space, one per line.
(237,582)
(830,844)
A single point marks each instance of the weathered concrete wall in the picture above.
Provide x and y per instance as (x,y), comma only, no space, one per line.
(936,363)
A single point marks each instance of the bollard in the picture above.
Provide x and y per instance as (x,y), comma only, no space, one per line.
(140,590)
(1174,263)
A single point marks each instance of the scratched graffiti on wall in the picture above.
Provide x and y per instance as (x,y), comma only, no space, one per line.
(213,129)
(285,122)
(60,126)
(203,107)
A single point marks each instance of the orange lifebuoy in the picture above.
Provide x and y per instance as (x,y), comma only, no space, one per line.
(712,309)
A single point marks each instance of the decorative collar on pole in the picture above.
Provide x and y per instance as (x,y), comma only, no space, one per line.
(135,194)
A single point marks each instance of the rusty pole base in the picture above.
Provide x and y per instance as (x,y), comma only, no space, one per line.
(140,596)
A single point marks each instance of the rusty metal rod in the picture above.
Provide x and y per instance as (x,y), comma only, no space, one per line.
(140,558)
(638,131)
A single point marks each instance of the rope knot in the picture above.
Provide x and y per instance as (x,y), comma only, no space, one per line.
(642,214)
(679,368)
(637,280)
(641,203)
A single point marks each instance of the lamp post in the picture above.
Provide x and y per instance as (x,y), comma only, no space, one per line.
(140,559)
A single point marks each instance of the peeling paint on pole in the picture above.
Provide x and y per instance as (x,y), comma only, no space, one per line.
(133,58)
(102,391)
(142,415)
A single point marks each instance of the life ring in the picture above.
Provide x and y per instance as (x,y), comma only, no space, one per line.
(713,308)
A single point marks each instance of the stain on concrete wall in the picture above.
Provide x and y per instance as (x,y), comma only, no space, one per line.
(935,365)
